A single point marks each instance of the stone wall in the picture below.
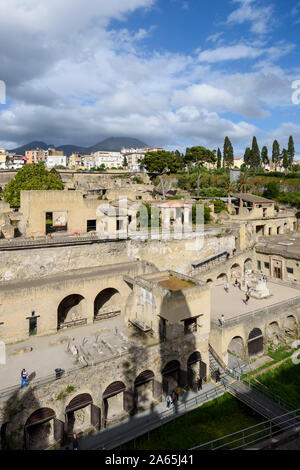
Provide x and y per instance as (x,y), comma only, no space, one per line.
(169,254)
(93,380)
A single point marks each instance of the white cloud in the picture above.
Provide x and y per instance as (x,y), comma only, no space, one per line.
(235,52)
(72,79)
(260,17)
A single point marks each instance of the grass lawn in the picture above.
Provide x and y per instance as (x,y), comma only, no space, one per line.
(284,381)
(210,421)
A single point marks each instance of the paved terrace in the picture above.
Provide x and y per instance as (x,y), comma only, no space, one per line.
(100,341)
(232,305)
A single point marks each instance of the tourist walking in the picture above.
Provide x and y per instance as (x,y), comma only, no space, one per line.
(227,287)
(75,442)
(177,392)
(173,397)
(168,400)
(199,384)
(24,378)
(246,299)
(218,374)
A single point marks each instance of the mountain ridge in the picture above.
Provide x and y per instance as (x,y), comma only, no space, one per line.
(112,144)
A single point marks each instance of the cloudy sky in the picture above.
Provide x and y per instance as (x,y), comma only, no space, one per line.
(171,72)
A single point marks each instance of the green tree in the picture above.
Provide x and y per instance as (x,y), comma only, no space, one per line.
(264,156)
(219,158)
(285,159)
(30,177)
(255,154)
(125,162)
(179,159)
(291,151)
(228,156)
(54,171)
(199,156)
(276,153)
(247,156)
(271,190)
(160,162)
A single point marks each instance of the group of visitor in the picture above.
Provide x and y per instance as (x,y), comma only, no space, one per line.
(171,399)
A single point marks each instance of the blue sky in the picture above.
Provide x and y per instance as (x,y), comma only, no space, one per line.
(173,73)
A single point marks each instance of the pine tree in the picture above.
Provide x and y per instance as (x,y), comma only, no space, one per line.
(228,156)
(264,156)
(219,158)
(255,154)
(291,151)
(276,153)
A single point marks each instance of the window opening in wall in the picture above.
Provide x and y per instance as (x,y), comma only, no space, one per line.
(259,265)
(91,225)
(190,325)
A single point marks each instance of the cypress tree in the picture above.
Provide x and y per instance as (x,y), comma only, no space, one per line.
(247,157)
(255,154)
(264,156)
(275,152)
(219,158)
(285,159)
(228,156)
(291,151)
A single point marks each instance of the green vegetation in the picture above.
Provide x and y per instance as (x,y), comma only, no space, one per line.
(207,217)
(30,177)
(272,190)
(210,421)
(174,198)
(213,183)
(101,168)
(290,198)
(284,380)
(199,157)
(219,206)
(64,393)
(138,180)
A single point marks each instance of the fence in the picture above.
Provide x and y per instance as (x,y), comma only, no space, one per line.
(253,434)
(157,420)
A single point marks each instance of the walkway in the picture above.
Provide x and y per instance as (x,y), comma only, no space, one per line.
(148,420)
(232,305)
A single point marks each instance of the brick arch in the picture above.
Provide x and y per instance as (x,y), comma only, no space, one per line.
(107,302)
(222,277)
(38,431)
(248,263)
(255,341)
(290,324)
(236,346)
(71,308)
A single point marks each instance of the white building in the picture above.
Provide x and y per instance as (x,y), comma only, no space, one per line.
(55,160)
(108,159)
(89,161)
(238,162)
(14,162)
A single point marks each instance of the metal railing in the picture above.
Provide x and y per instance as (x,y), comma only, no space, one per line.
(253,434)
(156,420)
(263,310)
(283,402)
(37,383)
